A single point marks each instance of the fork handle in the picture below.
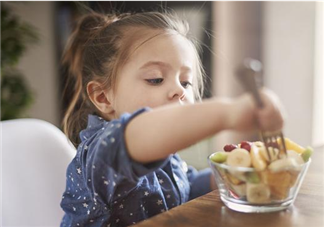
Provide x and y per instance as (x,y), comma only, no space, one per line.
(247,76)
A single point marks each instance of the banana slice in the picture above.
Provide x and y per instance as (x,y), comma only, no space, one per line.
(274,152)
(282,164)
(257,161)
(296,156)
(257,193)
(239,158)
(259,144)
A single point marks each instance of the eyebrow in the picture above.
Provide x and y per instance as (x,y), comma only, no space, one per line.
(163,65)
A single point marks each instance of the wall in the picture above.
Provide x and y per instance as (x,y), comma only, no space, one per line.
(39,62)
(288,57)
(318,115)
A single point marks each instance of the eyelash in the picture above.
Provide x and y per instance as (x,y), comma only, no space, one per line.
(155,81)
(185,84)
(158,81)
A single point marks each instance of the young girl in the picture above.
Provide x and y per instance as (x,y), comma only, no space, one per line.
(136,78)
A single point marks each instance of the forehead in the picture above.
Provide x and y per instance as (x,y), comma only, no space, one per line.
(157,45)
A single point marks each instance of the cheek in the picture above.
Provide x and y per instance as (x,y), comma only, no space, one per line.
(147,100)
(136,99)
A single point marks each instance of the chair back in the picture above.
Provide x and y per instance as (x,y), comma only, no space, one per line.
(35,155)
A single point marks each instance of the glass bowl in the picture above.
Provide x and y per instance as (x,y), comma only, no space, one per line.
(247,190)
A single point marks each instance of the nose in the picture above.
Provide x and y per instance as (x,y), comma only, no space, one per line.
(177,92)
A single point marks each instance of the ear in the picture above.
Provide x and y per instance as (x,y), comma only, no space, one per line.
(101,98)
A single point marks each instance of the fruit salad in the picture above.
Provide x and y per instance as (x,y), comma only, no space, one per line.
(249,172)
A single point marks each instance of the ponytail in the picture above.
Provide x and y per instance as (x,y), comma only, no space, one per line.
(75,118)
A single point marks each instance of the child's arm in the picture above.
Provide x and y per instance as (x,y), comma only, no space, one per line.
(155,134)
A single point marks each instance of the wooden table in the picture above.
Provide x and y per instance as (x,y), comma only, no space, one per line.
(209,210)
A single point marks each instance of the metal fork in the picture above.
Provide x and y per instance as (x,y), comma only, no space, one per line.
(248,75)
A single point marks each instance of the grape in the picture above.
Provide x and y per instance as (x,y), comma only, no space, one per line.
(229,147)
(246,145)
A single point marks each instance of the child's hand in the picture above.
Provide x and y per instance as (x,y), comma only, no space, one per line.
(246,116)
(271,116)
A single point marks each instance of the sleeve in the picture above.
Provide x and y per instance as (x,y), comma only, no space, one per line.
(108,162)
(199,181)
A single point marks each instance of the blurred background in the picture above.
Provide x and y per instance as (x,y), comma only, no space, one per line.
(287,37)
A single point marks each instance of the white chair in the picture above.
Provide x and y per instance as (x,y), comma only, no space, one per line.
(35,155)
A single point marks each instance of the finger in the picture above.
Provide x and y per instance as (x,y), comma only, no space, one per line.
(271,116)
(270,121)
(274,99)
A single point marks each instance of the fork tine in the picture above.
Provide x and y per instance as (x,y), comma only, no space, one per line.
(272,140)
(283,143)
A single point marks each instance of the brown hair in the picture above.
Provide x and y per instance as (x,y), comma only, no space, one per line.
(96,50)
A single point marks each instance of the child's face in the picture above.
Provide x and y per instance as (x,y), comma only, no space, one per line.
(158,72)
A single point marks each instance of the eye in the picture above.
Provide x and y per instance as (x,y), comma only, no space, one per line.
(155,81)
(186,84)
